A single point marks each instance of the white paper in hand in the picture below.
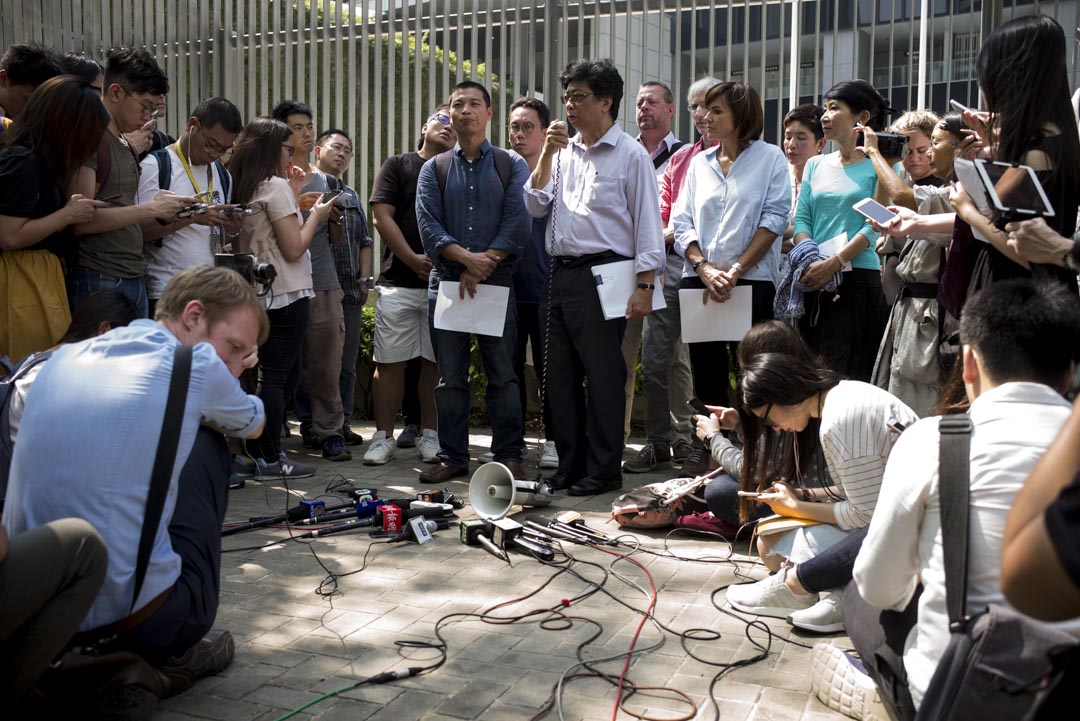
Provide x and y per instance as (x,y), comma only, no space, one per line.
(615,283)
(832,246)
(484,314)
(712,321)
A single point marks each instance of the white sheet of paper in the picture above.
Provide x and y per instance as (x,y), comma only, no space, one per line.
(832,246)
(702,323)
(616,282)
(969,179)
(484,314)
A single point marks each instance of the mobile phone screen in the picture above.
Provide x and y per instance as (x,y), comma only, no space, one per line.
(874,210)
(329,195)
(697,406)
(960,108)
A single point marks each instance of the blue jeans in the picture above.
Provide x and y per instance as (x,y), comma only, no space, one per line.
(452,396)
(83,283)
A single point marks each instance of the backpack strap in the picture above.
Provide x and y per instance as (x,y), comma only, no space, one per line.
(954,477)
(502,166)
(226,181)
(164,462)
(442,170)
(664,156)
(164,165)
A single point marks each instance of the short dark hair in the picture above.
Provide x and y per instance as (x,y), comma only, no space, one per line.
(285,108)
(669,98)
(332,131)
(1023,330)
(110,306)
(218,111)
(442,106)
(539,106)
(82,65)
(601,76)
(136,70)
(860,95)
(809,114)
(745,106)
(953,124)
(472,85)
(29,64)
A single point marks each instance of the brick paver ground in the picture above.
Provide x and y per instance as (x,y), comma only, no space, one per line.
(293,645)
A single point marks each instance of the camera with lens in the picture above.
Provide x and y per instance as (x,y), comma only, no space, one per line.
(245,264)
(891,145)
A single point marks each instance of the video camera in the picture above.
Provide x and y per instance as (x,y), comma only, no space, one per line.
(246,265)
(891,145)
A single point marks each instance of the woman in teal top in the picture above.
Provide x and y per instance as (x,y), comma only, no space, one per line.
(844,326)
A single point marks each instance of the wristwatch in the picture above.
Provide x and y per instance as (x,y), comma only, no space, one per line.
(709,439)
(698,264)
(646,286)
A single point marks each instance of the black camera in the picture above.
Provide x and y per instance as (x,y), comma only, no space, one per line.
(244,264)
(891,145)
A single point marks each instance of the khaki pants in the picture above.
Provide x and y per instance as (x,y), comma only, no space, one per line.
(322,360)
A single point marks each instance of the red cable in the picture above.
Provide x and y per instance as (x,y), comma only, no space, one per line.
(641,625)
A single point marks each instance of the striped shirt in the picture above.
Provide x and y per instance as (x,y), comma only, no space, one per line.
(860,423)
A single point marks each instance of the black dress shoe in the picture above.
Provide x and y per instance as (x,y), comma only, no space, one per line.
(592,487)
(559,481)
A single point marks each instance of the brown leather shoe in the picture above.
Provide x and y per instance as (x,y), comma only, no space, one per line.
(517,470)
(443,473)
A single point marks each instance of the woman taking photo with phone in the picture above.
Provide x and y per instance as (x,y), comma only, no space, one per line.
(843,326)
(1022,74)
(266,180)
(734,205)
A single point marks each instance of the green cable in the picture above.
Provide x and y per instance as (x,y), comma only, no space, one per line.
(325,696)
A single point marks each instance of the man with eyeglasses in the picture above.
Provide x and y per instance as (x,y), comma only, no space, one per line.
(402,333)
(110,247)
(190,167)
(606,208)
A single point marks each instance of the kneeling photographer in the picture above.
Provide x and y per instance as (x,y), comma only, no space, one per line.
(156,494)
(277,233)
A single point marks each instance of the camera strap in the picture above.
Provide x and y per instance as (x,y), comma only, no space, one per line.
(164,461)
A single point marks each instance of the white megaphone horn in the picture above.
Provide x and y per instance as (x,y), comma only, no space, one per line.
(493,491)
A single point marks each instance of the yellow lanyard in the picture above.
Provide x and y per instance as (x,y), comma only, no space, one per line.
(187,169)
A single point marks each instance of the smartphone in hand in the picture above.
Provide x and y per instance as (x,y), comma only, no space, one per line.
(329,195)
(698,407)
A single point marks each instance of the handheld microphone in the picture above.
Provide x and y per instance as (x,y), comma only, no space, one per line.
(337,528)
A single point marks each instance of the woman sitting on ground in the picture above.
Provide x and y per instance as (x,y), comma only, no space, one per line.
(859,425)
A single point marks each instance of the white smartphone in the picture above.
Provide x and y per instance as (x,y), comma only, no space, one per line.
(873,210)
(960,108)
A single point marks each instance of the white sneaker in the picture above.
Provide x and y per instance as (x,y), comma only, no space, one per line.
(427,446)
(841,686)
(486,457)
(825,616)
(768,597)
(381,450)
(549,458)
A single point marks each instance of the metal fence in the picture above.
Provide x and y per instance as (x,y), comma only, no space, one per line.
(377,68)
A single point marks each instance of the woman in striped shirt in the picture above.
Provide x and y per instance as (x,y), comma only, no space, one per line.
(859,423)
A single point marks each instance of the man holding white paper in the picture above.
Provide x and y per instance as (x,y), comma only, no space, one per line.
(473,226)
(601,190)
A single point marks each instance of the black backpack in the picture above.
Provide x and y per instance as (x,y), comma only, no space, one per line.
(7,390)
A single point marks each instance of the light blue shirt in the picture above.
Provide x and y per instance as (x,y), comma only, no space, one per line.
(88,439)
(722,213)
(608,200)
(829,190)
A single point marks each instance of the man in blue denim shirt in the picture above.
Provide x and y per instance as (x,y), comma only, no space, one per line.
(474,238)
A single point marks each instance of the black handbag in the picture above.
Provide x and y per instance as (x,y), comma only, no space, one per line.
(999,664)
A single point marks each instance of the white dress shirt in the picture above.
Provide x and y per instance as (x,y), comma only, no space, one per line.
(721,213)
(608,201)
(1012,426)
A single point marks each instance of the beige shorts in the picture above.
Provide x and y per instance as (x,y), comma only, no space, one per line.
(401,325)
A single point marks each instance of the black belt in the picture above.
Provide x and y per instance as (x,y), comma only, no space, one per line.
(917,290)
(577,261)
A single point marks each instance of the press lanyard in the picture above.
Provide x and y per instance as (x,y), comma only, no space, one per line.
(187,169)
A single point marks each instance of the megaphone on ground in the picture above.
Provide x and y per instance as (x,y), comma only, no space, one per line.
(493,491)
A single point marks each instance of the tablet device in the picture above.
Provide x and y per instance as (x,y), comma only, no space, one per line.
(1014,191)
(874,210)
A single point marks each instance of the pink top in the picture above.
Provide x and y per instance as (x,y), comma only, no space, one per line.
(674,175)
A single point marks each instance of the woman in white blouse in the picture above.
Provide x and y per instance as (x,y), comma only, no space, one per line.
(731,212)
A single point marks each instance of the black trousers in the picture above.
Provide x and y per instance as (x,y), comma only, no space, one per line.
(531,327)
(195,532)
(583,347)
(712,363)
(845,328)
